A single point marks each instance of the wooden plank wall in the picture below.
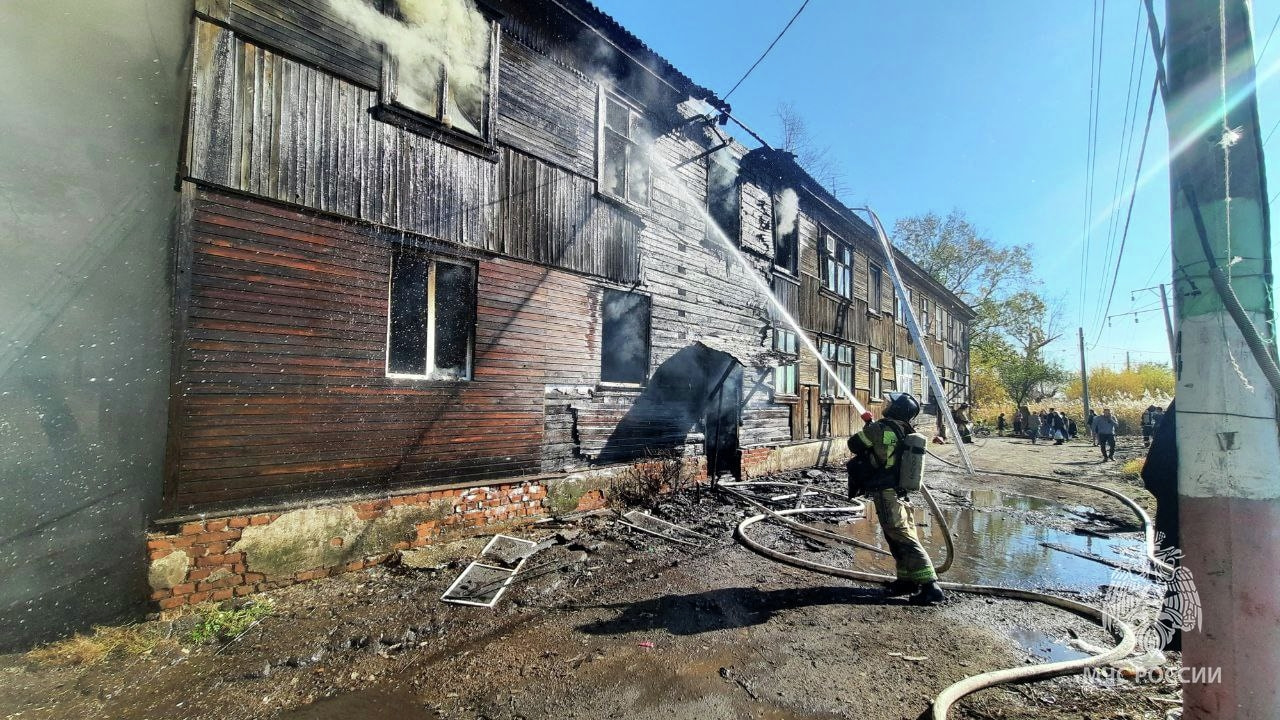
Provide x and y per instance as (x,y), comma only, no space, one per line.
(312,31)
(546,109)
(273,127)
(551,216)
(282,386)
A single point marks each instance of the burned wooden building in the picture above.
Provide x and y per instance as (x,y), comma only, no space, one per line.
(427,250)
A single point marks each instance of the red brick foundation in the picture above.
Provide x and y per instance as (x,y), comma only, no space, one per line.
(214,573)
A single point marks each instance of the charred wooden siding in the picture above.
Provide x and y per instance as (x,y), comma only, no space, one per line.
(312,31)
(551,216)
(270,126)
(273,127)
(546,109)
(282,387)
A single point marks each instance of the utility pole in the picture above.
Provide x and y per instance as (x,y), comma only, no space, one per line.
(1228,449)
(1084,377)
(1126,361)
(1168,330)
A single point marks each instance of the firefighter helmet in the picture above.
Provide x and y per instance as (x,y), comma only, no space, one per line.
(902,407)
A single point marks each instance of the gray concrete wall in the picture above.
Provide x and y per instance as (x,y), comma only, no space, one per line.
(93,93)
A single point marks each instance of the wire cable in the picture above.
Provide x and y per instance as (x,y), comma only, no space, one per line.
(1091,142)
(759,60)
(1133,194)
(1133,96)
(1267,44)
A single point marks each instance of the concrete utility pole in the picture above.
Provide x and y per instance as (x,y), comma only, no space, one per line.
(1084,378)
(1228,448)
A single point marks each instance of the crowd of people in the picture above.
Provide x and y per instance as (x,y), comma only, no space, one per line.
(1057,427)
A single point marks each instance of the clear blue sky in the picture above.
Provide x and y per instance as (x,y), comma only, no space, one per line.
(979,106)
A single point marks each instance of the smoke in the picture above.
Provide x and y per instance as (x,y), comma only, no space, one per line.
(787,211)
(722,181)
(433,36)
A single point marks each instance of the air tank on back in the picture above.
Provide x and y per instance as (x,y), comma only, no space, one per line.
(911,464)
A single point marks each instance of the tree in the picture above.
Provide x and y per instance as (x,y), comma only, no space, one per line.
(971,265)
(1014,321)
(817,160)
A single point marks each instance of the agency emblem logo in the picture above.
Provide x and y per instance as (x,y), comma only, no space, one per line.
(1155,606)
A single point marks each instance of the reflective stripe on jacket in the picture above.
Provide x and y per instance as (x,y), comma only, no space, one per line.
(881,440)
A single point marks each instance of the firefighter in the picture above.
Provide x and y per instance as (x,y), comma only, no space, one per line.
(874,471)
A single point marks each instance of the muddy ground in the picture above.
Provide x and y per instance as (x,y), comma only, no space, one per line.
(608,622)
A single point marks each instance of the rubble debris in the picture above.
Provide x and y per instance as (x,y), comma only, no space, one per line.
(646,523)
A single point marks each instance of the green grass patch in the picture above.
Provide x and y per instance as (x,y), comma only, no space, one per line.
(218,625)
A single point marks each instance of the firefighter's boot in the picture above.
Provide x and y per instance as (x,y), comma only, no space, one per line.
(930,594)
(901,587)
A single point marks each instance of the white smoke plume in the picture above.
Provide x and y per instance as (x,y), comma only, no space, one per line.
(787,211)
(435,35)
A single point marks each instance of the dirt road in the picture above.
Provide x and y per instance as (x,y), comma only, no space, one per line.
(612,623)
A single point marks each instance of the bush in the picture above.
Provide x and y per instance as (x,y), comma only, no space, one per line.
(641,484)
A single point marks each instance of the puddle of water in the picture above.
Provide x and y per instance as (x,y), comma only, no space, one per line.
(371,703)
(1001,548)
(1044,646)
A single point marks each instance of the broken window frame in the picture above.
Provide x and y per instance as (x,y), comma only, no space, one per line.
(837,276)
(791,262)
(632,147)
(875,288)
(875,374)
(430,306)
(839,355)
(786,375)
(612,376)
(394,109)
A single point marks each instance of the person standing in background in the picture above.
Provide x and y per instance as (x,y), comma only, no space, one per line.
(1033,426)
(1104,427)
(1018,419)
(1000,425)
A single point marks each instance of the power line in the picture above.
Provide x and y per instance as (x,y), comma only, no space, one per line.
(787,27)
(1267,44)
(1156,267)
(1091,144)
(1133,194)
(1128,128)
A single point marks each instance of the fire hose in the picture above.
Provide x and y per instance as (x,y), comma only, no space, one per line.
(943,701)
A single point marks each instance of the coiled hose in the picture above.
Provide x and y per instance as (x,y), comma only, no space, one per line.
(949,696)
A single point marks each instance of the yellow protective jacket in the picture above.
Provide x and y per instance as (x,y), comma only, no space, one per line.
(879,445)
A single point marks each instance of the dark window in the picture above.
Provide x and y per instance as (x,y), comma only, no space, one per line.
(875,377)
(432,317)
(624,345)
(624,153)
(785,375)
(786,230)
(926,317)
(840,357)
(875,287)
(724,198)
(418,82)
(837,265)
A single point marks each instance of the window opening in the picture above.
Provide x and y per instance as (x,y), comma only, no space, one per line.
(624,342)
(431,327)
